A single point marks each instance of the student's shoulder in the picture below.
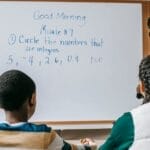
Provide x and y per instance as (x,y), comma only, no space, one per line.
(124,117)
(120,134)
(37,127)
(144,108)
(24,126)
(123,123)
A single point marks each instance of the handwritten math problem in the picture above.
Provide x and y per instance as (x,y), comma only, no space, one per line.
(34,61)
(52,44)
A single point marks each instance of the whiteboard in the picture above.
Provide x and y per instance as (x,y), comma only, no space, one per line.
(83,57)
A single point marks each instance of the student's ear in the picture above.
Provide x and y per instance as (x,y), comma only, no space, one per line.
(31,105)
(32,101)
(142,88)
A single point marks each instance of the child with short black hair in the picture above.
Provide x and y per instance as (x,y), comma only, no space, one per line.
(18,99)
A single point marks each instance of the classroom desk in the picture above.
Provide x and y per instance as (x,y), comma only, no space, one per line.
(73,133)
(98,134)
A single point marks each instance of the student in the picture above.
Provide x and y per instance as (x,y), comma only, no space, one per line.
(18,99)
(132,129)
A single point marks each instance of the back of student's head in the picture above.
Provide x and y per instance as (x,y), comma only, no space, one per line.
(15,88)
(144,75)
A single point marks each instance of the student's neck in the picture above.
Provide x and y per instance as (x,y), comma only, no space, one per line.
(15,117)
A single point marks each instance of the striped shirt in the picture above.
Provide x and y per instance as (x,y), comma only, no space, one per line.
(130,131)
(28,136)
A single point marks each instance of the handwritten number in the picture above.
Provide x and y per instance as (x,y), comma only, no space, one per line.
(10,59)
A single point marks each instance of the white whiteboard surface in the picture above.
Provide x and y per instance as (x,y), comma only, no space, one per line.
(83,57)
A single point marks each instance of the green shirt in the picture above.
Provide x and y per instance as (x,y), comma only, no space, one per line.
(122,134)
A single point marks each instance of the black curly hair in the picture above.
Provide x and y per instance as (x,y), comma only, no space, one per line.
(15,88)
(144,76)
